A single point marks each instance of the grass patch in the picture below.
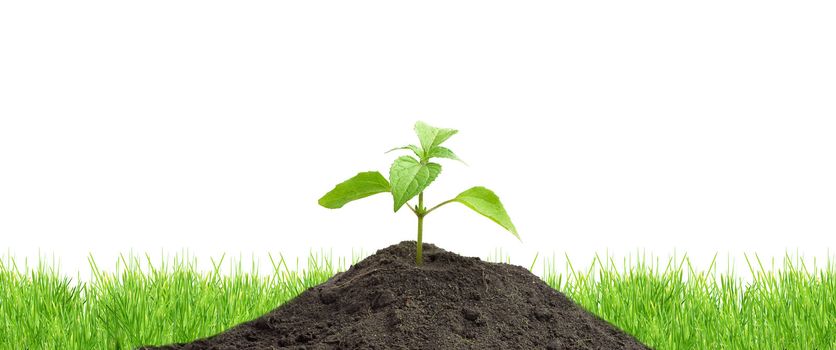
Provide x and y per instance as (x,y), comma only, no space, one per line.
(674,306)
(667,305)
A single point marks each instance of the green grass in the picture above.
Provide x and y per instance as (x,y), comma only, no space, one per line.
(675,306)
(667,305)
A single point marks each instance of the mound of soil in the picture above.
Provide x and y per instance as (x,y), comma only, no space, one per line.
(451,302)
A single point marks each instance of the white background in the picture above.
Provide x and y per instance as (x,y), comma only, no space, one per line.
(603,126)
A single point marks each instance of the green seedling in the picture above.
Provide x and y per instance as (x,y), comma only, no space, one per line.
(409,176)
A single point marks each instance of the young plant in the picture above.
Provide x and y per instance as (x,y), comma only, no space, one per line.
(409,176)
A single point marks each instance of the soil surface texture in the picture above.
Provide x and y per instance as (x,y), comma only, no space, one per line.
(450,302)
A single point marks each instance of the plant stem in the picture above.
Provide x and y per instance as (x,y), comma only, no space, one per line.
(411,208)
(439,204)
(420,212)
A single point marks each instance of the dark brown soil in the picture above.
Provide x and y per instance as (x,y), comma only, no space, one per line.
(451,302)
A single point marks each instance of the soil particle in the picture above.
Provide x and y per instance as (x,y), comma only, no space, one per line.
(451,302)
(470,314)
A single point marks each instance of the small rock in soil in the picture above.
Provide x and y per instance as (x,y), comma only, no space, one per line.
(327,296)
(382,299)
(470,314)
(555,344)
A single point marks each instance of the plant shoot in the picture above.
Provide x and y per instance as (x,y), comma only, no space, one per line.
(410,175)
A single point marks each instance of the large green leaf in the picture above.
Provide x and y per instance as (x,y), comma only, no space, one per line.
(443,152)
(360,186)
(415,149)
(431,136)
(409,177)
(485,202)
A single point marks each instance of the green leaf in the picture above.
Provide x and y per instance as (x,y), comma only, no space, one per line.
(431,136)
(485,202)
(415,149)
(443,152)
(361,185)
(409,177)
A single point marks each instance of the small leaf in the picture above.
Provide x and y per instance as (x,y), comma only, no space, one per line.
(409,177)
(360,186)
(415,149)
(443,152)
(431,136)
(485,202)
